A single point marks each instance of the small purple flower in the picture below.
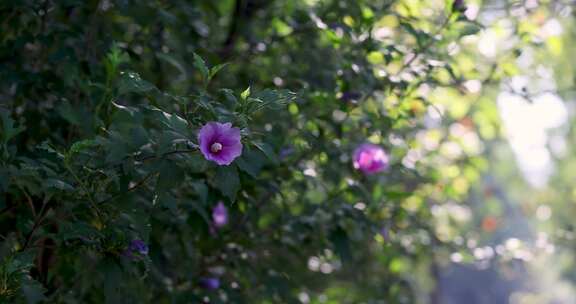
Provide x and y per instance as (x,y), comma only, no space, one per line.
(220,142)
(286,152)
(385,233)
(458,6)
(136,248)
(209,283)
(370,159)
(220,215)
(350,96)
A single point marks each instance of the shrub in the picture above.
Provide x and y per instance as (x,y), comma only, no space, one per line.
(109,196)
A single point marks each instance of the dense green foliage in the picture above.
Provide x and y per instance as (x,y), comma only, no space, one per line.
(101,103)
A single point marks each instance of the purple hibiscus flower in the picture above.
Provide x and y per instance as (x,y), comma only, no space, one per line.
(370,159)
(220,215)
(220,142)
(209,283)
(137,248)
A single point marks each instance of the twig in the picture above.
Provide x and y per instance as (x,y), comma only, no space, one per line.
(137,185)
(88,193)
(166,154)
(427,45)
(146,158)
(7,208)
(7,19)
(29,201)
(37,221)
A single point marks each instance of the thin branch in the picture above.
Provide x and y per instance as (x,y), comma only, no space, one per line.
(147,158)
(137,185)
(7,208)
(7,19)
(91,199)
(418,52)
(37,222)
(29,201)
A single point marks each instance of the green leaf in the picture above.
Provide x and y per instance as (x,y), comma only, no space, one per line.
(114,58)
(20,262)
(470,29)
(170,177)
(80,146)
(139,220)
(267,149)
(282,28)
(214,70)
(230,99)
(33,291)
(131,82)
(174,122)
(58,184)
(78,230)
(169,202)
(8,130)
(176,64)
(69,113)
(129,111)
(341,243)
(227,181)
(200,64)
(251,162)
(195,163)
(397,195)
(198,209)
(115,146)
(138,137)
(201,191)
(126,117)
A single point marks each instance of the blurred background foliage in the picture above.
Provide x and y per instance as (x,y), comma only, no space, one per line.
(101,101)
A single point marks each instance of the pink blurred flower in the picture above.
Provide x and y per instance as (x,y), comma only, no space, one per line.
(220,215)
(370,159)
